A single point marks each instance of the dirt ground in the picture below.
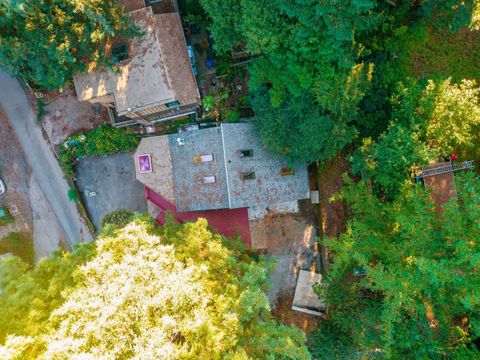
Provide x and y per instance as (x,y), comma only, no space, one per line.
(32,212)
(442,186)
(332,213)
(15,172)
(283,312)
(65,115)
(291,240)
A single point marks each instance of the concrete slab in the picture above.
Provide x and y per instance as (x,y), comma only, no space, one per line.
(305,299)
(108,183)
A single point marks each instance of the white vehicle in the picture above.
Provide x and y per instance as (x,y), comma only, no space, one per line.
(3,188)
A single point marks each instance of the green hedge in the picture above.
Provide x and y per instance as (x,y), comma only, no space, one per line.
(103,140)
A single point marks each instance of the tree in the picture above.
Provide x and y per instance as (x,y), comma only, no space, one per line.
(303,46)
(316,60)
(429,120)
(47,41)
(145,293)
(299,130)
(397,157)
(420,295)
(453,123)
(308,56)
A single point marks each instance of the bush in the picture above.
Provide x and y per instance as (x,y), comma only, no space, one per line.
(118,219)
(232,116)
(40,110)
(73,195)
(103,140)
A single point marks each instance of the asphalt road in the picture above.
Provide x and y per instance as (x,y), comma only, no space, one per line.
(46,170)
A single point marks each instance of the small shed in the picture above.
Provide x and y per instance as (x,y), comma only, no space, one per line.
(305,299)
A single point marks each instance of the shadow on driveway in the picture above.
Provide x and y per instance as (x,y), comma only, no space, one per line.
(107,183)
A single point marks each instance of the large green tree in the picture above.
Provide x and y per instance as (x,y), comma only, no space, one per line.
(316,58)
(299,130)
(180,292)
(429,120)
(420,296)
(47,41)
(302,46)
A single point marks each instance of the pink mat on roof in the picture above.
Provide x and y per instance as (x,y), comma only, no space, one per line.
(229,222)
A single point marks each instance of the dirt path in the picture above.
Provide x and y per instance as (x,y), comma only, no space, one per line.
(15,172)
(332,213)
(24,198)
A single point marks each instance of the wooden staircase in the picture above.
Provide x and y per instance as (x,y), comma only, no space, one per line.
(447,169)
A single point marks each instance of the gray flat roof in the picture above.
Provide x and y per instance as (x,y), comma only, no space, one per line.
(190,192)
(269,185)
(229,190)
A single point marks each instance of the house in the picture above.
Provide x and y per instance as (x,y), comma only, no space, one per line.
(218,173)
(153,78)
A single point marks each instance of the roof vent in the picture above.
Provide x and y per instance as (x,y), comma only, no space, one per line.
(180,142)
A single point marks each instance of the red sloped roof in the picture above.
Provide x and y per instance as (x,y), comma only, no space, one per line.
(229,222)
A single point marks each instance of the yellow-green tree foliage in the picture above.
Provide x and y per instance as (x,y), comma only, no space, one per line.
(454,122)
(180,292)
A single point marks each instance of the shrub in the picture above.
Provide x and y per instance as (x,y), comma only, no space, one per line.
(118,219)
(103,140)
(73,195)
(41,110)
(232,116)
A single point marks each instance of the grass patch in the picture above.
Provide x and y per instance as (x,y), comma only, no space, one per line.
(40,110)
(5,217)
(428,53)
(19,244)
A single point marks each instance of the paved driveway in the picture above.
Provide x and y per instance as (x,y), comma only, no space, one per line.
(108,183)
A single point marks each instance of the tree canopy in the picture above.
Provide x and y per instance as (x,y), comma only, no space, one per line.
(321,57)
(139,292)
(429,120)
(420,293)
(47,41)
